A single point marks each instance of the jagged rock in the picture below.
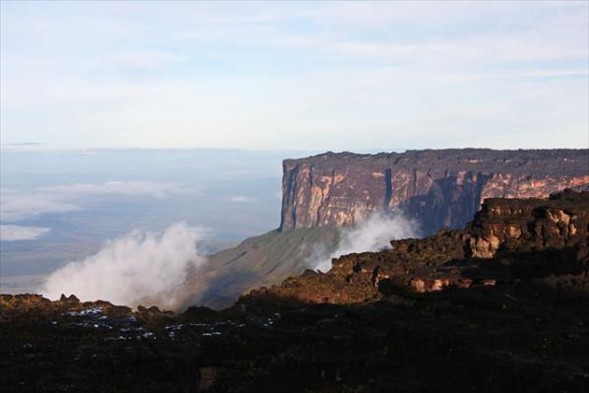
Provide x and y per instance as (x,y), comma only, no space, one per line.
(200,313)
(522,225)
(397,286)
(69,299)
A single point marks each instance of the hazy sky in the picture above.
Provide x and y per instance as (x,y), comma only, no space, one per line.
(280,75)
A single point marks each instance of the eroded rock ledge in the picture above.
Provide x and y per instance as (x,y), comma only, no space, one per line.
(508,239)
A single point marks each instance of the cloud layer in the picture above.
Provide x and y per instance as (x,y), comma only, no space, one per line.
(241,199)
(15,206)
(306,75)
(134,269)
(9,233)
(119,188)
(372,234)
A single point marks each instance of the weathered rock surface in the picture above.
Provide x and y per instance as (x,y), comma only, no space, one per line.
(440,188)
(525,225)
(508,238)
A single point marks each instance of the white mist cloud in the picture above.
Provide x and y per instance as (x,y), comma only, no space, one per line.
(16,206)
(9,233)
(134,269)
(241,199)
(129,188)
(372,234)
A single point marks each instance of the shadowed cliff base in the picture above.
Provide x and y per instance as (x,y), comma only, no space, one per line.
(459,311)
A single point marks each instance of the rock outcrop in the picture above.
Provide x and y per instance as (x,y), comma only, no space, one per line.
(525,225)
(440,188)
(508,239)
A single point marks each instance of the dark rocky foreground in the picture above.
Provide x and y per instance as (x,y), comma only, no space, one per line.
(499,306)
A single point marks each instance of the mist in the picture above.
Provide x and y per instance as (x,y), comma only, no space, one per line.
(11,233)
(372,234)
(138,268)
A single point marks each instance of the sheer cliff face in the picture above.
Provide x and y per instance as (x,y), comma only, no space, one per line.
(440,188)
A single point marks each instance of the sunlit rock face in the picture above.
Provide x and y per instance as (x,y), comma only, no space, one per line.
(440,188)
(533,224)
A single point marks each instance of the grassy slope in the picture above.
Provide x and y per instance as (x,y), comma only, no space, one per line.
(258,261)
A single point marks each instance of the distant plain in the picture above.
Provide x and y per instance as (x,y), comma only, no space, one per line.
(82,199)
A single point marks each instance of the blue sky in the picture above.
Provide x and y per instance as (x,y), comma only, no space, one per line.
(295,75)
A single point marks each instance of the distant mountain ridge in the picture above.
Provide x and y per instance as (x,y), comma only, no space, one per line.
(440,188)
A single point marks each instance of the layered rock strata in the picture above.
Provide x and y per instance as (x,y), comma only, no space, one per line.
(440,188)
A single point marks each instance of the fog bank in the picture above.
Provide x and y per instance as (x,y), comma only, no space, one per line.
(138,268)
(372,234)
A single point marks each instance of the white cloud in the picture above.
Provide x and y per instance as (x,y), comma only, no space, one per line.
(139,268)
(122,188)
(372,234)
(241,199)
(10,233)
(15,206)
(262,75)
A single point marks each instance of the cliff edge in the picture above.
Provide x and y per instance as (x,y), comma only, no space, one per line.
(440,188)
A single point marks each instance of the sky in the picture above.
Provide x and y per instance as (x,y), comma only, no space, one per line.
(59,206)
(294,75)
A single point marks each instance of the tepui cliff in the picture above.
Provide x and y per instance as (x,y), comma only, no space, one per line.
(439,188)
